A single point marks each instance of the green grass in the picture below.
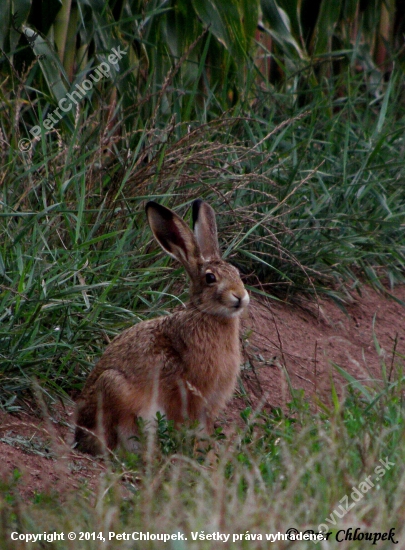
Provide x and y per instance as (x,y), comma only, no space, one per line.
(279,471)
(308,188)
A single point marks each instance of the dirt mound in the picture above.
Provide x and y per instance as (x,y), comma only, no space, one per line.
(37,455)
(301,342)
(285,344)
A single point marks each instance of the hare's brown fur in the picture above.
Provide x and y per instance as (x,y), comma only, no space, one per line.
(184,365)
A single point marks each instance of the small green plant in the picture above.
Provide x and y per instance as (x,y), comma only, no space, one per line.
(276,471)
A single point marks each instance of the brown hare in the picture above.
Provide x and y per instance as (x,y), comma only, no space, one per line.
(184,365)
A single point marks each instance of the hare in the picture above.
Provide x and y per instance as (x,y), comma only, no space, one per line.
(183,365)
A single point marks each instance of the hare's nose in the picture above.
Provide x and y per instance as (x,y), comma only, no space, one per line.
(239,301)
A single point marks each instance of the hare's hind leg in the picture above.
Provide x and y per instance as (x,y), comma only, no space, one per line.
(89,439)
(105,414)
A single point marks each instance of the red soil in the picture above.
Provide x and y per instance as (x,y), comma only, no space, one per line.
(302,340)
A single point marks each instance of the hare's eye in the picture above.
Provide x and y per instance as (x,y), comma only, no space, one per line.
(210,278)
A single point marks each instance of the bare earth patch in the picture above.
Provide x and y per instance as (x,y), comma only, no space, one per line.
(284,341)
(40,451)
(308,338)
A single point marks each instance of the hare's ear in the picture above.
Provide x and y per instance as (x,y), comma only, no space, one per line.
(205,229)
(174,236)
